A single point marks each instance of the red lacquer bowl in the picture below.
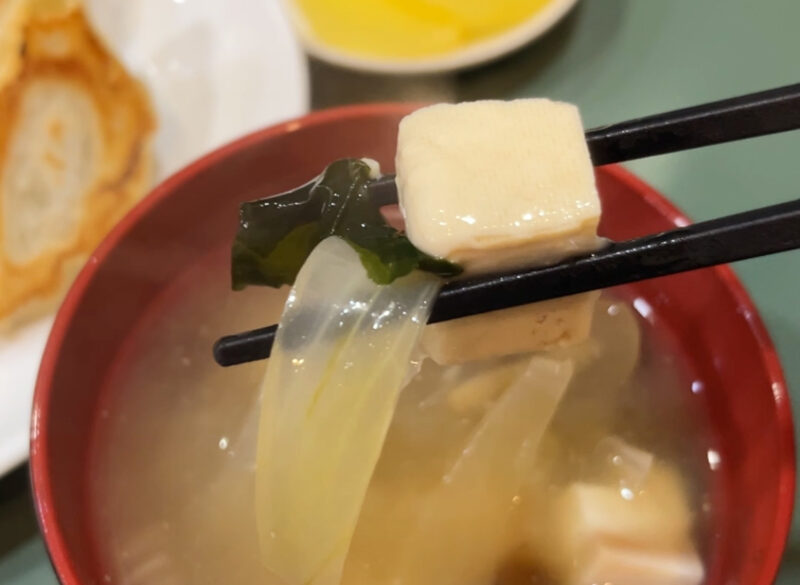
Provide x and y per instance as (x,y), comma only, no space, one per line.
(707,313)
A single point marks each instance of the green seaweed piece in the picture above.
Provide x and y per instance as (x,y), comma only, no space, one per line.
(277,234)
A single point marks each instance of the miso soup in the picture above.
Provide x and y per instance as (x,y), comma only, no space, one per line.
(458,495)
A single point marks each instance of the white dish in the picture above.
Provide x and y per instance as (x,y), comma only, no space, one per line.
(470,56)
(215,70)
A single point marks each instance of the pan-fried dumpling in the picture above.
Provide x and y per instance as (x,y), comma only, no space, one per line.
(75,134)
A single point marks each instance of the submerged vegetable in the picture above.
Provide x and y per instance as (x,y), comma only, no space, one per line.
(453,530)
(342,353)
(277,234)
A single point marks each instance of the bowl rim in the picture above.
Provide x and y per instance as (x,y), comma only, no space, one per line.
(41,480)
(470,55)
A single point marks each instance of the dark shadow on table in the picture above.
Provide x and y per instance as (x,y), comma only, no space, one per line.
(334,86)
(16,510)
(790,564)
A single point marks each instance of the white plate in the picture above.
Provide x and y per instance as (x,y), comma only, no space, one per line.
(215,69)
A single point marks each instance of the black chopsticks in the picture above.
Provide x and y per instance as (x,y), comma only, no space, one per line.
(759,232)
(746,116)
(745,235)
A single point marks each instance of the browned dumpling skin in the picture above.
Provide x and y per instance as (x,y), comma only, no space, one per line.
(75,155)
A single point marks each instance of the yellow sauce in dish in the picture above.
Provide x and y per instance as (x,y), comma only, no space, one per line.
(412,29)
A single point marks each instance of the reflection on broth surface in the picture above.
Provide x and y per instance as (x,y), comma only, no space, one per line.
(466,489)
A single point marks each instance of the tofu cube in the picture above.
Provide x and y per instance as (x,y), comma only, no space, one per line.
(618,536)
(535,327)
(496,184)
(656,517)
(616,565)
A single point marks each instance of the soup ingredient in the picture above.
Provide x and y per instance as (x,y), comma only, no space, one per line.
(75,134)
(277,234)
(455,530)
(535,327)
(493,184)
(605,363)
(411,28)
(655,515)
(612,534)
(343,351)
(622,566)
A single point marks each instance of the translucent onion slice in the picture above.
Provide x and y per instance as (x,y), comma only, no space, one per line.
(342,353)
(455,531)
(469,512)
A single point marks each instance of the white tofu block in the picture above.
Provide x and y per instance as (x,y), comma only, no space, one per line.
(616,536)
(656,516)
(616,565)
(536,327)
(494,184)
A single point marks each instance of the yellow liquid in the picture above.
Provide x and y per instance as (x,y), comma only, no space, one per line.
(172,484)
(405,29)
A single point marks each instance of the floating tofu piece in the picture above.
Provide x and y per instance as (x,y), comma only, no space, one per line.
(536,327)
(617,536)
(494,184)
(613,565)
(656,516)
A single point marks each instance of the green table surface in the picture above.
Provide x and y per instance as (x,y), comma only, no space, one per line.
(617,59)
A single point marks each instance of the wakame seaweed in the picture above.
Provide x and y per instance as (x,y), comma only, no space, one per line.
(277,234)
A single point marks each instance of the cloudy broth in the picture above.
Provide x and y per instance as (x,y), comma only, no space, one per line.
(171,491)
